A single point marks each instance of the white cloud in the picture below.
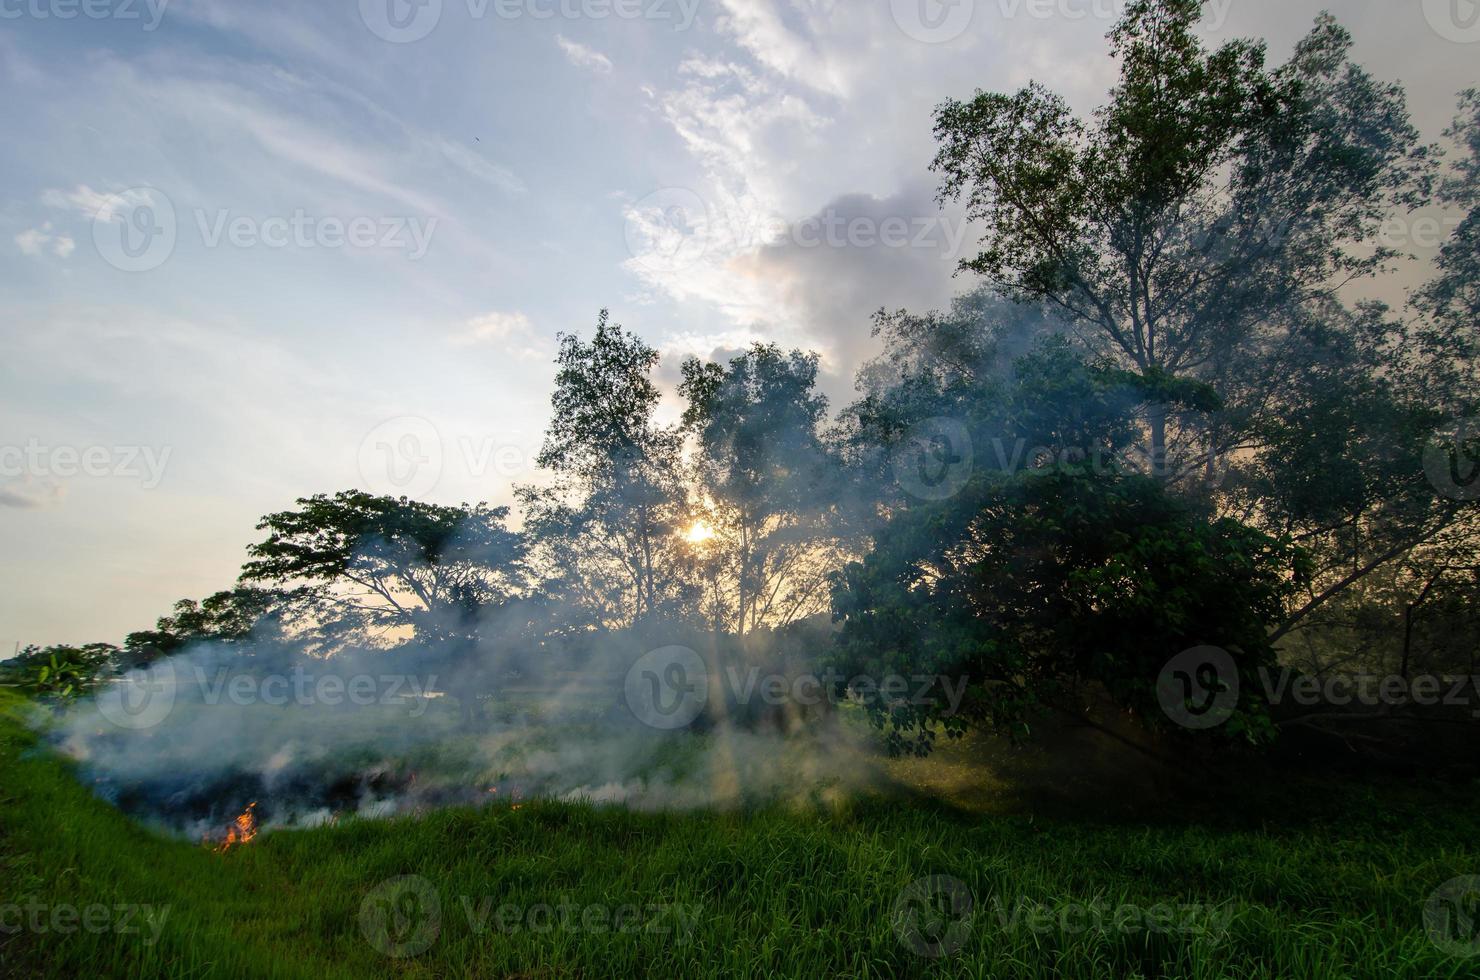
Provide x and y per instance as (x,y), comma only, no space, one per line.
(34,241)
(758,27)
(96,205)
(494,326)
(583,57)
(511,333)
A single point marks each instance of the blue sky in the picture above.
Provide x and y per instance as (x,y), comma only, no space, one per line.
(354,227)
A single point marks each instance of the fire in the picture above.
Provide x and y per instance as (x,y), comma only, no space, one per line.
(242,829)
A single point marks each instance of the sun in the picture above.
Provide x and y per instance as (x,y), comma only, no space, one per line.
(698,533)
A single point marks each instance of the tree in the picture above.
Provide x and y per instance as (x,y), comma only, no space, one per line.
(1184,227)
(1032,582)
(60,672)
(1199,230)
(1450,304)
(368,565)
(230,616)
(769,484)
(608,523)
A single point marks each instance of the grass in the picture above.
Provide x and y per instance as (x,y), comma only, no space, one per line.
(1313,881)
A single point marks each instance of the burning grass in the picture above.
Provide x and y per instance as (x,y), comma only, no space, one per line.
(1334,888)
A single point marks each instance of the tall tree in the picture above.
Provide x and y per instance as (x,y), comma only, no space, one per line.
(609,520)
(769,483)
(229,616)
(1183,227)
(1040,577)
(368,566)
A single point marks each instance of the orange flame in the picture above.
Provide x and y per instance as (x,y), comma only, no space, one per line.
(242,829)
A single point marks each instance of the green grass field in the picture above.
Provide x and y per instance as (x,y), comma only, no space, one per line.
(1316,881)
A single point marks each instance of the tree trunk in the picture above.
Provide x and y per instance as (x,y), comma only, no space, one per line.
(1158,419)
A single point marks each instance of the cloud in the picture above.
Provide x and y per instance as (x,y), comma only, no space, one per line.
(758,27)
(27,495)
(35,241)
(96,205)
(495,326)
(476,166)
(583,57)
(511,332)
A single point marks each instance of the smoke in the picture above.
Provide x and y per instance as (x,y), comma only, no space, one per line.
(188,743)
(505,699)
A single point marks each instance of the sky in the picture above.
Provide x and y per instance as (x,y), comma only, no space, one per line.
(252,250)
